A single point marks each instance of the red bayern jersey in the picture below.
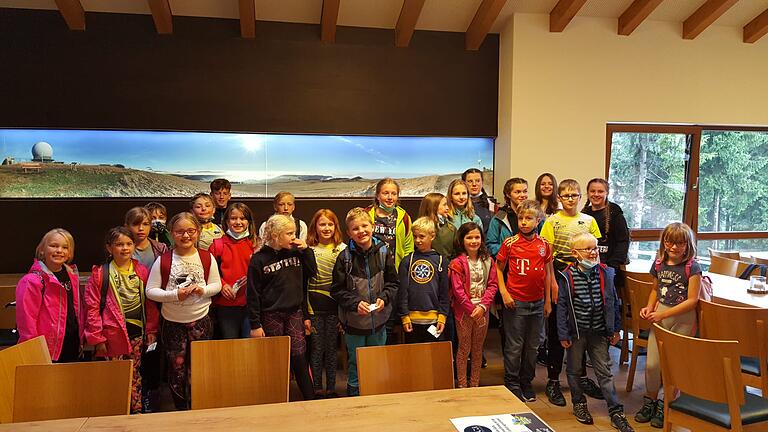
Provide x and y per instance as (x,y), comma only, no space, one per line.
(526,262)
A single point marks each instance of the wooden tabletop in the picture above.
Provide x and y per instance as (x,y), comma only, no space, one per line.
(733,291)
(426,411)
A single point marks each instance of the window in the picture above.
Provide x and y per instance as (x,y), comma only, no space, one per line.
(712,178)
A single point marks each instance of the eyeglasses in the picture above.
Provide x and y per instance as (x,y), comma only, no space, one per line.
(570,197)
(190,232)
(587,250)
(669,244)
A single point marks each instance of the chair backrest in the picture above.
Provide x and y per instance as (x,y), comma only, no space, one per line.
(703,368)
(640,276)
(69,390)
(31,352)
(734,255)
(7,315)
(237,372)
(405,368)
(746,325)
(724,266)
(639,292)
(760,260)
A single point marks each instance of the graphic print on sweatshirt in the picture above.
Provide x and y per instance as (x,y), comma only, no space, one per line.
(283,263)
(422,271)
(183,274)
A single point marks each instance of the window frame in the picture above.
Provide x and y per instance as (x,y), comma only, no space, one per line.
(691,199)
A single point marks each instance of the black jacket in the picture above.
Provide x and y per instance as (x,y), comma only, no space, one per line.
(614,243)
(277,281)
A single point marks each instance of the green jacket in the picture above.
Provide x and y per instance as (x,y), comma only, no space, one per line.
(403,234)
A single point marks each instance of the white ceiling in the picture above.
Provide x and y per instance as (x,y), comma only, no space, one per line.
(442,15)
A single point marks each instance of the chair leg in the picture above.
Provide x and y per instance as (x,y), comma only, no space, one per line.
(632,368)
(667,422)
(624,347)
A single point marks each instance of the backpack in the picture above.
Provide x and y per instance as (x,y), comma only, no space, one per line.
(165,265)
(705,288)
(750,268)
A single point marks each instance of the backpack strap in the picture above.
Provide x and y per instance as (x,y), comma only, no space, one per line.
(298,227)
(42,280)
(165,268)
(205,260)
(104,288)
(688,265)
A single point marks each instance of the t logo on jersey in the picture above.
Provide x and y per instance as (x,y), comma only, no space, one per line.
(523,265)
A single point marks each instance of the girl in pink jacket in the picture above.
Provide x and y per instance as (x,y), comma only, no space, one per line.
(120,320)
(48,298)
(473,285)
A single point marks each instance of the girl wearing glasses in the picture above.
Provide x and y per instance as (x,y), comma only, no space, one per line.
(672,305)
(184,280)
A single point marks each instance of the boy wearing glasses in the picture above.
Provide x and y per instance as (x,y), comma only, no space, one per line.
(558,230)
(588,320)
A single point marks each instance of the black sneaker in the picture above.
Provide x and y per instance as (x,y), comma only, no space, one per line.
(515,391)
(590,388)
(582,414)
(657,420)
(484,363)
(619,421)
(353,391)
(528,394)
(554,394)
(646,412)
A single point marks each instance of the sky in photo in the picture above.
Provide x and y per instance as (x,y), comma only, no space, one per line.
(245,157)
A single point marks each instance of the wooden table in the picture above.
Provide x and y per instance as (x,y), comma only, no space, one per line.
(426,411)
(733,291)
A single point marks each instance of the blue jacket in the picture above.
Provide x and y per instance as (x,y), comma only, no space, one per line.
(566,317)
(503,225)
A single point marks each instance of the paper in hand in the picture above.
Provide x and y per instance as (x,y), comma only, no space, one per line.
(433,331)
(372,307)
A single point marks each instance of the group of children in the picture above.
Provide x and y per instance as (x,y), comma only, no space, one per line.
(538,265)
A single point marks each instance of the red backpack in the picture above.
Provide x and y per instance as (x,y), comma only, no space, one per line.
(705,288)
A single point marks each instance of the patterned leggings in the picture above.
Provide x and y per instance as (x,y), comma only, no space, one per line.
(136,345)
(292,324)
(324,350)
(471,340)
(176,339)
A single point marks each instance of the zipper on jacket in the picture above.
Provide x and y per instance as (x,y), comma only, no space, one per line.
(368,277)
(58,325)
(570,303)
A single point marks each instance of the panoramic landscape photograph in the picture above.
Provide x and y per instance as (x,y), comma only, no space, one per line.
(45,163)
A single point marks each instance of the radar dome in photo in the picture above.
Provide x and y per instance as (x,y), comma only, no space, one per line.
(42,152)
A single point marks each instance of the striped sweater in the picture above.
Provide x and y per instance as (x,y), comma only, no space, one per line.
(588,300)
(319,288)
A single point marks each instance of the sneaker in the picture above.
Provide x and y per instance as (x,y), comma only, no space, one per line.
(554,394)
(484,364)
(331,395)
(590,388)
(657,420)
(353,391)
(646,412)
(515,391)
(528,394)
(582,414)
(619,421)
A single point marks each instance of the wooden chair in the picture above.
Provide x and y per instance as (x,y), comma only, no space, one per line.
(638,298)
(237,372)
(734,255)
(626,311)
(712,396)
(69,390)
(749,326)
(760,260)
(724,266)
(405,368)
(31,352)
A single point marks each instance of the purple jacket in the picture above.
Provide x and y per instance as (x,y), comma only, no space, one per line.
(38,315)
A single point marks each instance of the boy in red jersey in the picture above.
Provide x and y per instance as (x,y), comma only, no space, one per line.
(529,261)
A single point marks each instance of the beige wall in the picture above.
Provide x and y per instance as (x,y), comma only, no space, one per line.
(557,91)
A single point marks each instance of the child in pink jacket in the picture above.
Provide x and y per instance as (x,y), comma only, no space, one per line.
(120,319)
(48,298)
(474,283)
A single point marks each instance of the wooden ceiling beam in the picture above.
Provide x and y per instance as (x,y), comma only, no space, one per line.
(481,24)
(635,14)
(563,13)
(756,28)
(406,23)
(162,16)
(247,19)
(704,16)
(73,13)
(330,16)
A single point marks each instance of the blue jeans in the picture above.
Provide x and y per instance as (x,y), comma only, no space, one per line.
(597,345)
(353,342)
(522,334)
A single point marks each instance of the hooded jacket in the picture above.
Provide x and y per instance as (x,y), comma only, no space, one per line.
(566,316)
(403,234)
(45,314)
(423,296)
(614,242)
(364,276)
(460,283)
(502,225)
(110,326)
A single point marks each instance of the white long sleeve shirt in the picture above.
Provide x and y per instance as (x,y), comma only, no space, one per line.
(184,269)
